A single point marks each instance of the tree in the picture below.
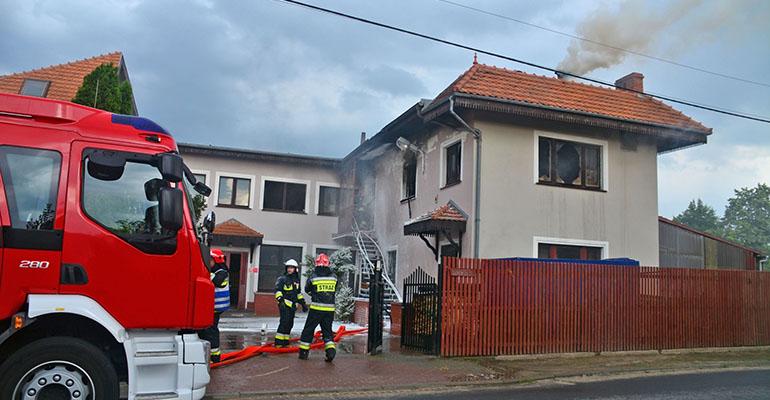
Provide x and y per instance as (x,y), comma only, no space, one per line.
(341,263)
(747,217)
(198,207)
(700,216)
(103,89)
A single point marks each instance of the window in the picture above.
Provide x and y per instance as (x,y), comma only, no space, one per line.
(35,87)
(271,264)
(453,162)
(569,252)
(31,180)
(128,206)
(234,192)
(409,177)
(328,200)
(566,163)
(284,196)
(199,177)
(392,265)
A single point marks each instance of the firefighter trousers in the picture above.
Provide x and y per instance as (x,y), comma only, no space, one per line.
(211,334)
(283,335)
(315,318)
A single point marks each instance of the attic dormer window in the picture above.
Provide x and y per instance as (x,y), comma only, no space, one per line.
(35,87)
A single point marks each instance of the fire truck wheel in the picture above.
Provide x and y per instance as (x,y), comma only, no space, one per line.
(58,368)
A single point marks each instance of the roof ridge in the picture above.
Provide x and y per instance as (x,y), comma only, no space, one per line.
(65,64)
(508,79)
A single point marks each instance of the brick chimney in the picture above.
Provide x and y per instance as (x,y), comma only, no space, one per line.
(632,81)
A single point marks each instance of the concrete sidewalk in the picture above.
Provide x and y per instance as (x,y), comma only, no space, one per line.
(272,376)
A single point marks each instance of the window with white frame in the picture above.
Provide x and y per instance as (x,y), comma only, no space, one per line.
(452,164)
(569,163)
(284,196)
(570,249)
(200,177)
(328,200)
(234,192)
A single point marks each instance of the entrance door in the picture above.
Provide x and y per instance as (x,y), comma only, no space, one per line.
(235,278)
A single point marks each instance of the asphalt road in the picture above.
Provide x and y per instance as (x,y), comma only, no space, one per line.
(750,384)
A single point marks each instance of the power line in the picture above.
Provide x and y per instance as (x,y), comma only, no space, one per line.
(519,61)
(584,39)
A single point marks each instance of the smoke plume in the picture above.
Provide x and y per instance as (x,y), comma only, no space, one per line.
(636,25)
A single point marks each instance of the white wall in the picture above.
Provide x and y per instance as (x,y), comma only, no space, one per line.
(307,230)
(515,210)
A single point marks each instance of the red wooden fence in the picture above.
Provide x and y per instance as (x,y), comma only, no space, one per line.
(494,307)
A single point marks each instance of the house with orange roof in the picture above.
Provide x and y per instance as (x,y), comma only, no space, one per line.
(501,163)
(62,81)
(504,163)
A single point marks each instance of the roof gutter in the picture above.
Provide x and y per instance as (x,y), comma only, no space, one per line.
(477,176)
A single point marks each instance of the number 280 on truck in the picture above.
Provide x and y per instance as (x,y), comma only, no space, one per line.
(103,274)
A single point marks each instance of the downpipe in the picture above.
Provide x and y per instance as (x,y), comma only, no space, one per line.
(477,181)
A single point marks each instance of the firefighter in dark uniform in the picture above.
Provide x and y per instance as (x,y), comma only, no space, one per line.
(288,295)
(220,277)
(321,287)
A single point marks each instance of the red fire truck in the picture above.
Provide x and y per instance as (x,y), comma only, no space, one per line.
(102,269)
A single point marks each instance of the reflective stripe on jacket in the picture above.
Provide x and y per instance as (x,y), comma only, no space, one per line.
(221,279)
(322,288)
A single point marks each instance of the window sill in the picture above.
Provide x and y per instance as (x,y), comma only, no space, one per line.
(411,198)
(327,215)
(232,206)
(561,185)
(284,211)
(448,185)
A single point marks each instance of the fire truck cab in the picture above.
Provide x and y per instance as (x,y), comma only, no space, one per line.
(103,278)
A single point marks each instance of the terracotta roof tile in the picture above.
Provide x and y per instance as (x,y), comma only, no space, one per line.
(65,79)
(233,227)
(500,83)
(447,212)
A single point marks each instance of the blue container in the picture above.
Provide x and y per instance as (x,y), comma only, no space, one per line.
(621,262)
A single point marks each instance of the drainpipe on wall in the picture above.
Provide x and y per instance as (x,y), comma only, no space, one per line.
(477,184)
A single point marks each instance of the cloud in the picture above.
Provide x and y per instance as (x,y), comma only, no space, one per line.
(711,174)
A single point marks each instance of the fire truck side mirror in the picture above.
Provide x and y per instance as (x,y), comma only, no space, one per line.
(170,166)
(209,222)
(170,208)
(106,165)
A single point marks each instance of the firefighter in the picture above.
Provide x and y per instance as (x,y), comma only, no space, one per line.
(220,277)
(322,287)
(288,295)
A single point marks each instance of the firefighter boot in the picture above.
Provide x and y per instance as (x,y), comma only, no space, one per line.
(303,354)
(330,353)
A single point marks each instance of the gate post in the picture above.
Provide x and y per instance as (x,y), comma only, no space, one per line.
(376,300)
(439,301)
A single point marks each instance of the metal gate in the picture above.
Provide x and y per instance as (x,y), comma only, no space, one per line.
(420,318)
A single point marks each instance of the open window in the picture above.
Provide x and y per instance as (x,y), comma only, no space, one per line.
(409,176)
(570,163)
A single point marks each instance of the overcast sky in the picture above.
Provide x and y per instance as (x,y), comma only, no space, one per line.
(265,75)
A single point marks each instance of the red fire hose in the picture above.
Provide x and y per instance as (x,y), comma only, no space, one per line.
(251,351)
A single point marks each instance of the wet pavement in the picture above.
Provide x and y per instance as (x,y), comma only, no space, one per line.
(276,374)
